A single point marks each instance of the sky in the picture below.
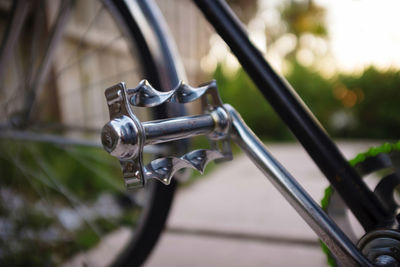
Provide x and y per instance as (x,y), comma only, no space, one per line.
(364,32)
(361,33)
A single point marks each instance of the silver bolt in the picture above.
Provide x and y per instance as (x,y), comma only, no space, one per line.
(386,260)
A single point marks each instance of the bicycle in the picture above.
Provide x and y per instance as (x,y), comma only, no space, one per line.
(44,135)
(125,136)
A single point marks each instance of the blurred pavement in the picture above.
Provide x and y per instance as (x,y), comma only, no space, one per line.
(235,217)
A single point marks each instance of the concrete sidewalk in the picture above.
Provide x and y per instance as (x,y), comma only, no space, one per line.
(235,217)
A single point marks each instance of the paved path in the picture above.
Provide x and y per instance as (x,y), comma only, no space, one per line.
(234,217)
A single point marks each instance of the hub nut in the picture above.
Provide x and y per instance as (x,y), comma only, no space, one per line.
(120,138)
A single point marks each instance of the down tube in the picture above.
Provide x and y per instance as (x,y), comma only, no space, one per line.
(362,202)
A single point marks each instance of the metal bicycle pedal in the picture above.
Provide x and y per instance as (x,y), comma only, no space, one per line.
(125,136)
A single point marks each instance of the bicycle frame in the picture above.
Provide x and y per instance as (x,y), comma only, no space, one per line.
(288,105)
(362,202)
(222,122)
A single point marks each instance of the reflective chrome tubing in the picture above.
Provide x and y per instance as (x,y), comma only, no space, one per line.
(358,197)
(309,210)
(125,136)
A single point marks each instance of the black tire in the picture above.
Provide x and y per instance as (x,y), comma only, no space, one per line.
(159,197)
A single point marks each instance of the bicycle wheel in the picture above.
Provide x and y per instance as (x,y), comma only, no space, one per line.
(62,200)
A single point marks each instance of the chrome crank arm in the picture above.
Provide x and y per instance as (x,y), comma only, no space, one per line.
(125,136)
(340,245)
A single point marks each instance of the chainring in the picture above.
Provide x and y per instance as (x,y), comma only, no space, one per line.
(384,159)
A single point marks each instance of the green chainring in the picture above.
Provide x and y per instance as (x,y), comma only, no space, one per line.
(372,152)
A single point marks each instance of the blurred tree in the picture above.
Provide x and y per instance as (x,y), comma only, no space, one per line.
(304,17)
(297,18)
(349,105)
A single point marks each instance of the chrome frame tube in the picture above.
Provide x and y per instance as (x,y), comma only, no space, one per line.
(365,205)
(301,201)
(167,130)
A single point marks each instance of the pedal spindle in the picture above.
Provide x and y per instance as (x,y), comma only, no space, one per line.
(125,136)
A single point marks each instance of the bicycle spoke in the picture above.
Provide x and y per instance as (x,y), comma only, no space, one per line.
(55,36)
(15,93)
(19,12)
(47,138)
(47,177)
(85,33)
(85,56)
(74,201)
(83,210)
(27,175)
(53,160)
(38,25)
(55,210)
(85,163)
(64,141)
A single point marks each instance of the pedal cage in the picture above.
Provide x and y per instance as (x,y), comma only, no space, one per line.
(125,136)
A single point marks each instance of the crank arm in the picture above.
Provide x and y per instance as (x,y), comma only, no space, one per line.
(125,136)
(294,193)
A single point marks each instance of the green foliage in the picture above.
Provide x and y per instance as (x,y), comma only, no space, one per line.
(305,17)
(35,219)
(86,238)
(372,152)
(348,105)
(377,109)
(32,254)
(38,181)
(241,93)
(84,171)
(315,90)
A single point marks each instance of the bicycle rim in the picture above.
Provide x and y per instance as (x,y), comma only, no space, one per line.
(61,200)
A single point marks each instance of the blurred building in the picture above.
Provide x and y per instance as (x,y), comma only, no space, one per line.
(191,33)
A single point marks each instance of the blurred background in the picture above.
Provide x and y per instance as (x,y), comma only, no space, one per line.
(341,57)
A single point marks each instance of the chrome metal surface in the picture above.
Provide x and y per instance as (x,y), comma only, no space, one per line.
(162,47)
(177,128)
(381,246)
(144,95)
(163,169)
(124,136)
(120,137)
(383,169)
(386,260)
(307,208)
(292,110)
